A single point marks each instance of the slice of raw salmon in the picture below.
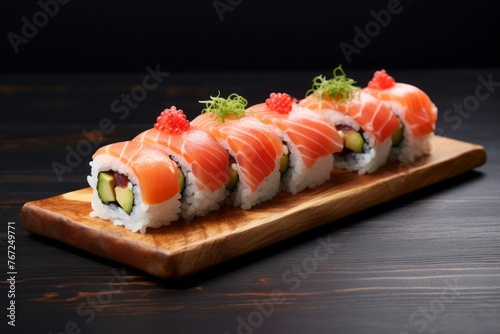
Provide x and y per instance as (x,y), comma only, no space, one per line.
(408,102)
(254,147)
(207,159)
(309,131)
(155,172)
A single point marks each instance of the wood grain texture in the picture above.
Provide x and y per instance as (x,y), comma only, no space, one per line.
(183,248)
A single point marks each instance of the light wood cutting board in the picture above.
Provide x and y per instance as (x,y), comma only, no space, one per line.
(183,247)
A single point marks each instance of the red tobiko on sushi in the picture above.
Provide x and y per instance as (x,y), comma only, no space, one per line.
(172,120)
(280,102)
(381,80)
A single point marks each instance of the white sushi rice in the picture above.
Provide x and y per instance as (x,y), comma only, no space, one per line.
(412,148)
(372,158)
(195,201)
(338,118)
(242,196)
(374,154)
(142,215)
(298,176)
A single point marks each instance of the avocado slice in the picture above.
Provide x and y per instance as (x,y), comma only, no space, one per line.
(233,178)
(182,180)
(284,163)
(106,187)
(354,141)
(397,137)
(125,198)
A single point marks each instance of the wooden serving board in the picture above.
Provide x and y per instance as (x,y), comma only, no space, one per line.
(183,247)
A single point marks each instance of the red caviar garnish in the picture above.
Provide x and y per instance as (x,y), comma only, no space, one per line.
(280,102)
(381,80)
(172,120)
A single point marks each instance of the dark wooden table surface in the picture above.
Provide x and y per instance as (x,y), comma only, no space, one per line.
(428,262)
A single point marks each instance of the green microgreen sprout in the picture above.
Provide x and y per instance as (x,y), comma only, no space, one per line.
(339,88)
(230,108)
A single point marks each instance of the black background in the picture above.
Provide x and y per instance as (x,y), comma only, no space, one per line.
(394,259)
(123,36)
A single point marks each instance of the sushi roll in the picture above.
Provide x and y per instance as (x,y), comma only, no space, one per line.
(414,108)
(255,151)
(203,162)
(310,141)
(365,123)
(135,185)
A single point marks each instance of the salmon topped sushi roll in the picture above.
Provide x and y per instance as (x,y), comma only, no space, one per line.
(415,110)
(309,138)
(203,162)
(255,151)
(135,185)
(367,126)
